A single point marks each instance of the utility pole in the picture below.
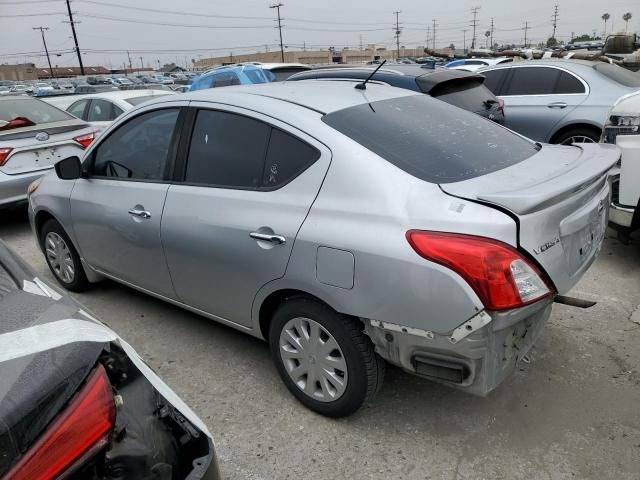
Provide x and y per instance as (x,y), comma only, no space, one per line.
(428,39)
(46,50)
(493,27)
(141,64)
(434,33)
(397,13)
(75,37)
(277,6)
(474,24)
(555,20)
(130,66)
(464,41)
(361,42)
(526,29)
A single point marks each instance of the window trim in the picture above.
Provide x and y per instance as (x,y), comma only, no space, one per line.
(181,164)
(178,132)
(511,67)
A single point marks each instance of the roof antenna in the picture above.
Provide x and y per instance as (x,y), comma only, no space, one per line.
(363,85)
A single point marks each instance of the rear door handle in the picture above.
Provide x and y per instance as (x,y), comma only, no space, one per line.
(268,237)
(557,105)
(140,212)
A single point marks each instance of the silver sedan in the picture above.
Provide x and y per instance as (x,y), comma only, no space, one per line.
(559,101)
(346,226)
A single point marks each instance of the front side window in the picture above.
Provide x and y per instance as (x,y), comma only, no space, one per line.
(138,149)
(532,81)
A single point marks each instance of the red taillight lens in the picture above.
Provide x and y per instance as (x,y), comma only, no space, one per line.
(500,276)
(4,154)
(82,428)
(85,140)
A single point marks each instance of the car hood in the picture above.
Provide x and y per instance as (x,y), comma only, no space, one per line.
(48,346)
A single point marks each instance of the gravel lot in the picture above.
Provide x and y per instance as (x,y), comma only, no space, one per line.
(572,413)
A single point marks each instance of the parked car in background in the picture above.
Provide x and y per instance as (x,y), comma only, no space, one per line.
(559,101)
(33,136)
(21,88)
(98,80)
(180,88)
(346,226)
(118,81)
(4,90)
(234,75)
(282,71)
(77,401)
(623,129)
(94,88)
(475,64)
(462,89)
(100,109)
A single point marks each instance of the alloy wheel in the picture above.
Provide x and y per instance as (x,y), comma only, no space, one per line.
(59,257)
(578,139)
(313,359)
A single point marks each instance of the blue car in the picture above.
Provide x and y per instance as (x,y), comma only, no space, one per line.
(233,75)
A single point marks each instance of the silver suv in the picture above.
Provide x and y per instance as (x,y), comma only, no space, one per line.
(346,226)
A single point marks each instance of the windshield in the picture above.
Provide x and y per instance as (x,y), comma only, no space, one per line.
(34,110)
(431,140)
(618,74)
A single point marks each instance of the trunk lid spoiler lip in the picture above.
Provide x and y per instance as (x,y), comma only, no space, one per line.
(540,191)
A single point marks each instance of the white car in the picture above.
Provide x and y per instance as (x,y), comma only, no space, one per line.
(623,129)
(100,109)
(475,64)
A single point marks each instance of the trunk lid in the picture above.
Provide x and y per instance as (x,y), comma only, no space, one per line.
(559,198)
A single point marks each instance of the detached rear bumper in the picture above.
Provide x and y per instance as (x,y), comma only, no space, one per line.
(478,362)
(13,188)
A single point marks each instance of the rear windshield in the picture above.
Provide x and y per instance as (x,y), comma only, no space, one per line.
(35,110)
(138,100)
(431,140)
(471,95)
(618,74)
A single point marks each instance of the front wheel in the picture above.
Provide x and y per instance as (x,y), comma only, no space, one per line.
(62,258)
(324,358)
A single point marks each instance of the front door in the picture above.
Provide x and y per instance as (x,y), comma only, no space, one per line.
(229,227)
(117,209)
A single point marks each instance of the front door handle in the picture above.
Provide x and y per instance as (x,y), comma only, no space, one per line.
(557,105)
(268,237)
(140,212)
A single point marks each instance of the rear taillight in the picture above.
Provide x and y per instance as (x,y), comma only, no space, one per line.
(85,140)
(4,154)
(81,430)
(500,276)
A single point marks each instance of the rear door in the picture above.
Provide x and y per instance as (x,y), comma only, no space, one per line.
(537,98)
(117,209)
(228,228)
(559,197)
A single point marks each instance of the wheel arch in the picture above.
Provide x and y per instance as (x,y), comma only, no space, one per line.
(585,124)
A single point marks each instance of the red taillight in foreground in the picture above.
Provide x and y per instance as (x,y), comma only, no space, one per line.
(82,428)
(4,154)
(85,140)
(500,276)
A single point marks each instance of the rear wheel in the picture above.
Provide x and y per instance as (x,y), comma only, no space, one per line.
(62,257)
(578,135)
(324,358)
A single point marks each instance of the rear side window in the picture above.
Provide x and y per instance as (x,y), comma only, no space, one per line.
(227,150)
(494,79)
(429,140)
(532,81)
(470,95)
(567,83)
(102,111)
(77,109)
(287,157)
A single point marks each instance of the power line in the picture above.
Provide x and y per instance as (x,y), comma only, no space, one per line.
(474,24)
(75,37)
(277,7)
(397,14)
(46,50)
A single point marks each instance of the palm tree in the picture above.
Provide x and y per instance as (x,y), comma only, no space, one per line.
(626,17)
(606,18)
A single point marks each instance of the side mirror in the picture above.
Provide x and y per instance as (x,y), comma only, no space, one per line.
(69,168)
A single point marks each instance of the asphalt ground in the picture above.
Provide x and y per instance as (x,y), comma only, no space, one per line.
(573,412)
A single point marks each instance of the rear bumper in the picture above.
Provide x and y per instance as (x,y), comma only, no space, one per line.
(476,363)
(13,188)
(620,215)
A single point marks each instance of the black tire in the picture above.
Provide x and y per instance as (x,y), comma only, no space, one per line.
(592,134)
(79,282)
(365,369)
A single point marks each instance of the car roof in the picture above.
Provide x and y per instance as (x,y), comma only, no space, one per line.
(548,62)
(320,96)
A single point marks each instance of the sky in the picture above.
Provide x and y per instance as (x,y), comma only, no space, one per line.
(181,30)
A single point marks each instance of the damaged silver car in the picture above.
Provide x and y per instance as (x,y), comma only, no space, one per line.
(77,402)
(347,226)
